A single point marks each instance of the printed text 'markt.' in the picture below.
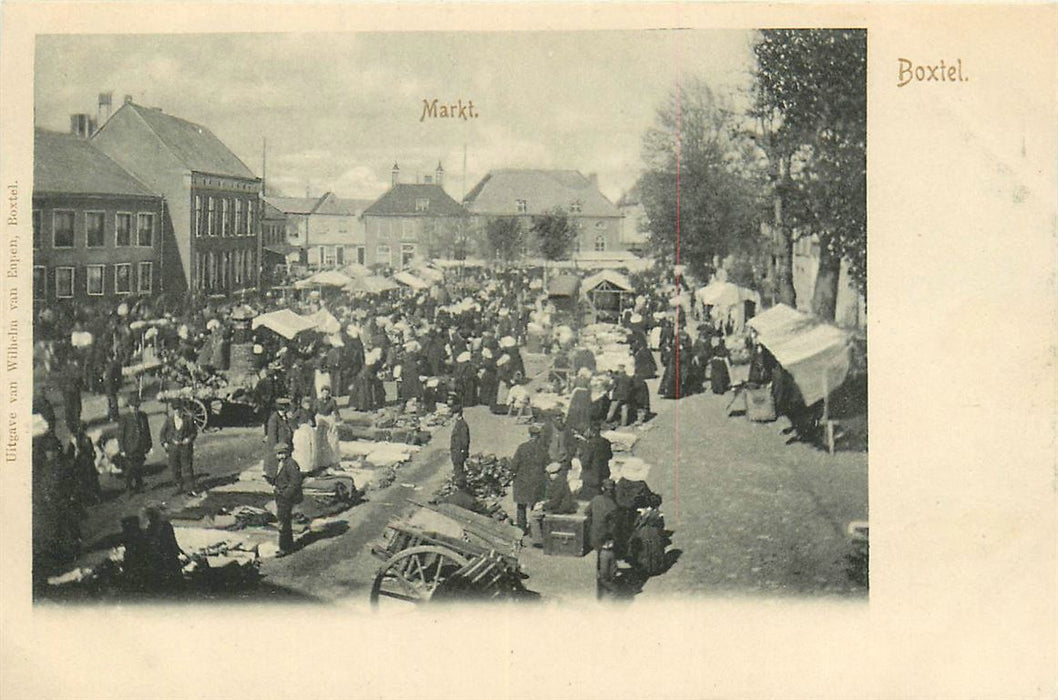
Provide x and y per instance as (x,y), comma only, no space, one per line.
(435,109)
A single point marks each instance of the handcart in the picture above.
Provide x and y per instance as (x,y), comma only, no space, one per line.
(444,552)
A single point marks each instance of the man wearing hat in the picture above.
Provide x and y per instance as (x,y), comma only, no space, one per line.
(602,516)
(595,454)
(278,431)
(529,482)
(288,493)
(459,444)
(134,442)
(559,499)
(178,439)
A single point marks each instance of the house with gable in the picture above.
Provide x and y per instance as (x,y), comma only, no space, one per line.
(526,193)
(212,199)
(414,221)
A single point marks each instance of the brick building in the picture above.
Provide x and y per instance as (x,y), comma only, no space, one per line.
(97,229)
(212,199)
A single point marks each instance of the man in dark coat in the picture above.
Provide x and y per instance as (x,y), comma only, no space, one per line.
(601,516)
(161,552)
(619,396)
(134,442)
(178,439)
(527,465)
(288,494)
(72,385)
(595,454)
(558,499)
(112,380)
(265,395)
(459,445)
(278,431)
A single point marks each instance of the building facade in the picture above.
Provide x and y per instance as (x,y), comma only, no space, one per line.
(97,229)
(213,201)
(335,233)
(413,222)
(597,223)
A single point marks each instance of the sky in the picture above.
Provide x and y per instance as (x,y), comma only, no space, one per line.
(337,110)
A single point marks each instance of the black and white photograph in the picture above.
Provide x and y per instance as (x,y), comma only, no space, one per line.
(309,326)
(481,351)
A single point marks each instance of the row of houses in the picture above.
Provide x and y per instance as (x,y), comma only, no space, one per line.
(148,203)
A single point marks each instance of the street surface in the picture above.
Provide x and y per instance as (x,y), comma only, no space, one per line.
(750,514)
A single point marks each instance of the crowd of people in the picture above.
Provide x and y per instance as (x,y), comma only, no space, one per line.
(456,345)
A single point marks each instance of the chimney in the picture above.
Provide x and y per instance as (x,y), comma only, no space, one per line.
(439,175)
(128,99)
(105,103)
(593,178)
(82,125)
(394,175)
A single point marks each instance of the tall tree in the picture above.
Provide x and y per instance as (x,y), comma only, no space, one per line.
(696,140)
(506,237)
(811,101)
(553,234)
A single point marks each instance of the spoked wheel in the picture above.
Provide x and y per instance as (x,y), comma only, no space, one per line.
(414,574)
(199,413)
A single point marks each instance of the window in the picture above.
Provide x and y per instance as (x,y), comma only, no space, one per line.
(225,224)
(238,264)
(361,254)
(93,226)
(146,277)
(339,255)
(211,217)
(238,218)
(574,207)
(407,253)
(600,242)
(63,282)
(40,281)
(407,230)
(123,229)
(123,278)
(196,217)
(251,215)
(145,230)
(200,271)
(94,280)
(251,267)
(521,206)
(382,255)
(36,231)
(62,230)
(422,204)
(211,270)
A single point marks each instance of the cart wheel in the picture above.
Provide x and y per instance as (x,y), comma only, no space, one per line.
(199,413)
(414,574)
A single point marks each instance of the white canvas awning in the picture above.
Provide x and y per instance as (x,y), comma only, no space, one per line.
(612,276)
(429,274)
(816,354)
(325,322)
(373,284)
(410,280)
(725,295)
(326,278)
(284,322)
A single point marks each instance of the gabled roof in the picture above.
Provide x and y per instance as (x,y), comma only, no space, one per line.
(192,144)
(332,205)
(401,201)
(543,190)
(294,205)
(69,164)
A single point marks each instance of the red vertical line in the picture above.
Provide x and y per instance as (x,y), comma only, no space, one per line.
(676,326)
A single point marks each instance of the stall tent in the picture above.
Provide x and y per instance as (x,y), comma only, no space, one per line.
(610,293)
(284,322)
(815,353)
(729,300)
(410,280)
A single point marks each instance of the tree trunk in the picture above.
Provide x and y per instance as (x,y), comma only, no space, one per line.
(784,261)
(825,295)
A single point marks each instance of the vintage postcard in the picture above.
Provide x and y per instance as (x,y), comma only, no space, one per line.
(529,350)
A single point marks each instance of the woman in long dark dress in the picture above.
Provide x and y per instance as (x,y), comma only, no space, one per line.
(721,378)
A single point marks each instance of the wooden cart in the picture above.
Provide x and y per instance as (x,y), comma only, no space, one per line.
(444,552)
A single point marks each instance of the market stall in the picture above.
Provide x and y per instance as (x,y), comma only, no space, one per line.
(609,293)
(411,281)
(814,353)
(728,301)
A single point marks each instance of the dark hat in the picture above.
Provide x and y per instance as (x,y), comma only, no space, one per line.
(535,428)
(607,484)
(282,402)
(282,448)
